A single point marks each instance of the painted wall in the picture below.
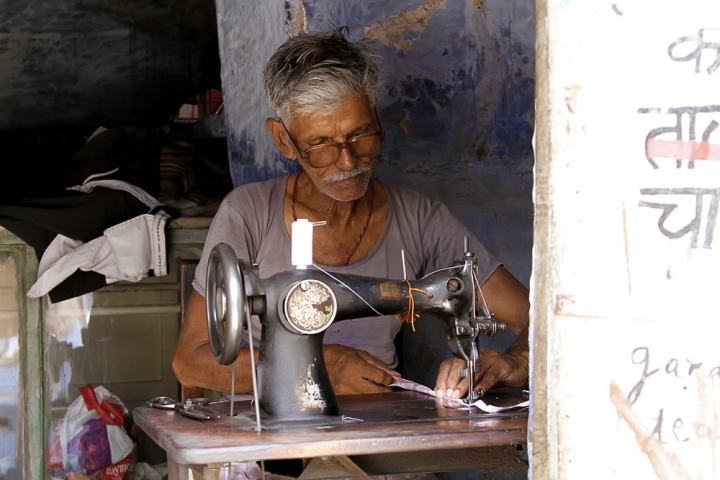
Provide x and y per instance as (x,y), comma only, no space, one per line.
(627,367)
(456,100)
(102,61)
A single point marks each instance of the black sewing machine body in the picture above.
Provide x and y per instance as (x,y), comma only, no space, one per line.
(296,306)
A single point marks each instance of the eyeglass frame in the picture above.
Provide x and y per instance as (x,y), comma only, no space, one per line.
(380,132)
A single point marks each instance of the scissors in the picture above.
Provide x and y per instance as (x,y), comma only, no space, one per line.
(192,407)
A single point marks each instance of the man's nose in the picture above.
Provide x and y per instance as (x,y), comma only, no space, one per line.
(346,160)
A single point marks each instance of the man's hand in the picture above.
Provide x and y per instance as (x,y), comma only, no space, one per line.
(510,370)
(508,300)
(356,371)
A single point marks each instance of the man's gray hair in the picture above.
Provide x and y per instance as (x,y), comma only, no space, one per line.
(315,73)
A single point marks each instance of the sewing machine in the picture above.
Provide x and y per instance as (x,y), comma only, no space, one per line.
(296,306)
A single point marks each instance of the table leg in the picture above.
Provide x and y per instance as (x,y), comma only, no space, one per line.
(177,471)
(329,467)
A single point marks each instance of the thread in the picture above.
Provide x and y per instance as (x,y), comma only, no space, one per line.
(302,243)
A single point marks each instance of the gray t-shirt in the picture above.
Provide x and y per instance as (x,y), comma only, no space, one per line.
(250,220)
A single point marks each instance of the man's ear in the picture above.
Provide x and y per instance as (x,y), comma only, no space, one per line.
(280,136)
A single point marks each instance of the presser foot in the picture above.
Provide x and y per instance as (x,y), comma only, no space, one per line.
(472,395)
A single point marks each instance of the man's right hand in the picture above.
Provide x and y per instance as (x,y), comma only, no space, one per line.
(356,371)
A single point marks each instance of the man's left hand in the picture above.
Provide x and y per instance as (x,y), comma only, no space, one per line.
(510,370)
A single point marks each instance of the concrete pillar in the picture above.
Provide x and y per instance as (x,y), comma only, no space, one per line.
(626,367)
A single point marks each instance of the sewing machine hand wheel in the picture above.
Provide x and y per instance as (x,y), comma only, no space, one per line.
(227,304)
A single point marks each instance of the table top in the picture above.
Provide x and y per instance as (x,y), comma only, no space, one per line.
(391,422)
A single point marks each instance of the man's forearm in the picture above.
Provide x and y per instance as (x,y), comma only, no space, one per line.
(521,347)
(200,369)
(194,363)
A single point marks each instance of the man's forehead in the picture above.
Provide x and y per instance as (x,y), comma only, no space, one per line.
(353,114)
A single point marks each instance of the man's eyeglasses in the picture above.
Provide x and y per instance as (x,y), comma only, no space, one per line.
(326,154)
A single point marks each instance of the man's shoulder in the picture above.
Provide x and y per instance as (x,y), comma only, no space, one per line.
(409,200)
(404,192)
(255,192)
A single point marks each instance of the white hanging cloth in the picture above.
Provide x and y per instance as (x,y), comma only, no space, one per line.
(126,251)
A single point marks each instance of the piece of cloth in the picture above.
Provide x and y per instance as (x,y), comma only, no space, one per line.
(114,177)
(250,220)
(127,251)
(133,154)
(94,182)
(66,320)
(492,402)
(73,214)
(191,179)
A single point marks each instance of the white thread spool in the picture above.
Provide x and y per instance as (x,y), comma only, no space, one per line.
(302,243)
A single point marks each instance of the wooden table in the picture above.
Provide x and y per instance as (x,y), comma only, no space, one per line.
(392,423)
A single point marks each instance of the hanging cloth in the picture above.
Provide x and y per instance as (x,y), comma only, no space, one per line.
(128,251)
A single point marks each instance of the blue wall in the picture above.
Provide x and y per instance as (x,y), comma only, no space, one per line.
(457,102)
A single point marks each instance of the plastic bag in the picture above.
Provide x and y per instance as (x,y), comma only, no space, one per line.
(91,439)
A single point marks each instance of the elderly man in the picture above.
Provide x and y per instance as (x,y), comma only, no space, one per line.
(323,89)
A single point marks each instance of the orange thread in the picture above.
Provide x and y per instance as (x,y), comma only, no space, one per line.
(411,316)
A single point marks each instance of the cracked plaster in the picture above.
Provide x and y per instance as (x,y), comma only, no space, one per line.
(391,32)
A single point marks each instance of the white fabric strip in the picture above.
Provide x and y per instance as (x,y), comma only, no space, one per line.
(137,192)
(482,405)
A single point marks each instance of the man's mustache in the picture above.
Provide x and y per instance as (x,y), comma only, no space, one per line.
(347,174)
